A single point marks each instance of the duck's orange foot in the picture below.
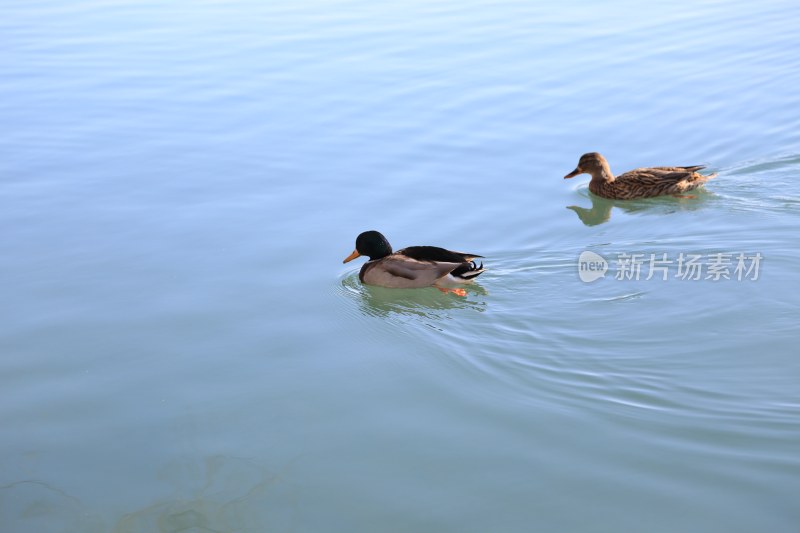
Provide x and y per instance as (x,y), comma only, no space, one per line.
(689,196)
(457,292)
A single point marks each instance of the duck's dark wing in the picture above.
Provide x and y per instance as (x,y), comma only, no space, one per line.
(649,182)
(655,177)
(692,168)
(436,254)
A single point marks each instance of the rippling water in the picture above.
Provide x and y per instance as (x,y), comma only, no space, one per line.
(184,351)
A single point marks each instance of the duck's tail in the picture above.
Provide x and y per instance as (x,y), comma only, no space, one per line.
(699,179)
(467,272)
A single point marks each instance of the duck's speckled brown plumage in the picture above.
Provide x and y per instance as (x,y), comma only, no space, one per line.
(638,183)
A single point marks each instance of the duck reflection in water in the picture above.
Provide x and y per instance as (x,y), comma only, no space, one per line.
(600,212)
(421,303)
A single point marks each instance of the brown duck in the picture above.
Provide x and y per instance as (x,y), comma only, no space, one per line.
(640,182)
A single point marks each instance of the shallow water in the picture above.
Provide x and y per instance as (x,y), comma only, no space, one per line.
(183,349)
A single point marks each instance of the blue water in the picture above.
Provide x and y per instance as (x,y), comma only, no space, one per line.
(183,350)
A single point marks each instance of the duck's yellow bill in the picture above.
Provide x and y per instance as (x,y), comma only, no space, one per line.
(352,256)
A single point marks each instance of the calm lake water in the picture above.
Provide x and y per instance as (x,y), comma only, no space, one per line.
(182,348)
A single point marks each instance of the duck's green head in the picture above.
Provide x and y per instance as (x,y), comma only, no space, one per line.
(371,244)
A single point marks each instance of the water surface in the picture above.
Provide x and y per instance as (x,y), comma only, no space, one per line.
(183,349)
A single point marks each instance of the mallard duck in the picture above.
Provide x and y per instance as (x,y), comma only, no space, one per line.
(412,267)
(638,183)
